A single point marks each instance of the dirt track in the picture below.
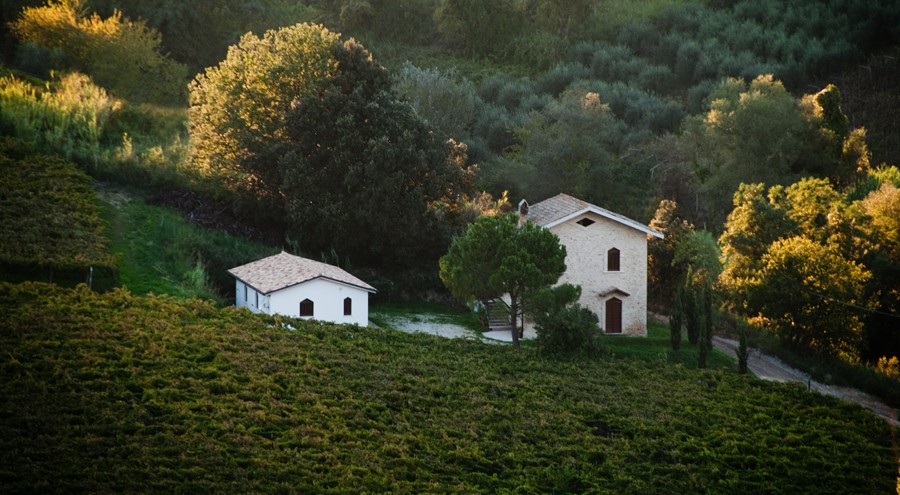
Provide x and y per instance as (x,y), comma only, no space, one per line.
(771,368)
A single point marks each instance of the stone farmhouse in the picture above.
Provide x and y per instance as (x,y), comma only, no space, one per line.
(606,256)
(289,285)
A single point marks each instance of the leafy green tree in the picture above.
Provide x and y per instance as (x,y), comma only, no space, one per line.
(750,132)
(218,23)
(752,226)
(662,274)
(697,250)
(121,55)
(237,109)
(703,309)
(478,28)
(882,207)
(564,18)
(809,294)
(572,146)
(354,152)
(497,256)
(692,307)
(309,130)
(835,151)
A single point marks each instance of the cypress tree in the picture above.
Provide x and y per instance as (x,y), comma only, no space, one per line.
(742,352)
(701,305)
(676,319)
(689,305)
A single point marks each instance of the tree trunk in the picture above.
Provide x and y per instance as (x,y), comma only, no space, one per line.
(514,309)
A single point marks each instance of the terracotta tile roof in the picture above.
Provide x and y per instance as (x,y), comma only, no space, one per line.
(284,270)
(561,207)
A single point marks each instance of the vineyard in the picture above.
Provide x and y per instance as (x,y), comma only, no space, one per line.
(113,393)
(48,216)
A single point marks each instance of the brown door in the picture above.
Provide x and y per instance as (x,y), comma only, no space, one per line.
(614,315)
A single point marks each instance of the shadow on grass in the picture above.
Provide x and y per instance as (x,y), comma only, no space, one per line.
(657,347)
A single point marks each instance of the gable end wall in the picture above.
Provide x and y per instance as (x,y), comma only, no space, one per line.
(586,259)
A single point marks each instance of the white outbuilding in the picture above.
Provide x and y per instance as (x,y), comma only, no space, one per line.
(289,285)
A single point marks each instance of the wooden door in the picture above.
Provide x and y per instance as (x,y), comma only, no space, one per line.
(614,315)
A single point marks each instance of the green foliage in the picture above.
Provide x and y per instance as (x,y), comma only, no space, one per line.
(497,256)
(478,28)
(110,139)
(446,102)
(752,226)
(48,215)
(800,262)
(676,319)
(160,252)
(122,56)
(354,152)
(803,294)
(147,394)
(703,307)
(571,145)
(698,250)
(237,108)
(563,325)
(67,118)
(742,352)
(663,275)
(692,307)
(309,132)
(218,24)
(751,132)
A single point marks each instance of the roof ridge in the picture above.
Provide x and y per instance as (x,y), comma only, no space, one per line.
(284,269)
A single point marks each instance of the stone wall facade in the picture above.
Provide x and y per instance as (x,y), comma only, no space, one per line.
(588,246)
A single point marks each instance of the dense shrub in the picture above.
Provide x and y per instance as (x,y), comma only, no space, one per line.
(569,329)
(123,56)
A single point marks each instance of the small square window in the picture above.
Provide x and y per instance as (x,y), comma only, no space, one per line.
(585,222)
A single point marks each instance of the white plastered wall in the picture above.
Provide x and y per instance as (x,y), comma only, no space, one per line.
(328,301)
(246,296)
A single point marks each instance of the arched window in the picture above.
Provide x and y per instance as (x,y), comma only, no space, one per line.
(612,260)
(306,307)
(613,315)
(348,306)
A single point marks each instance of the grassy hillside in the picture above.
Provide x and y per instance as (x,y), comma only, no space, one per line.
(161,251)
(118,393)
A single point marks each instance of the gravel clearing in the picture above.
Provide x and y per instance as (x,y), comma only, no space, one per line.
(430,325)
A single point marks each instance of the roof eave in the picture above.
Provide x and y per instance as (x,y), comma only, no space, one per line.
(605,214)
